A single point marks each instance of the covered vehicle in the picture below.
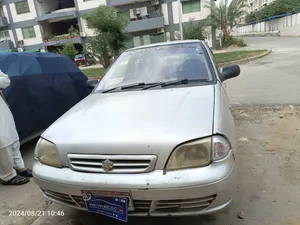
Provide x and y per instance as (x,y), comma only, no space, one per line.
(155,138)
(43,87)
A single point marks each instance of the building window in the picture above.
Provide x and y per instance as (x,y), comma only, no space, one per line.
(189,6)
(4,34)
(22,7)
(28,32)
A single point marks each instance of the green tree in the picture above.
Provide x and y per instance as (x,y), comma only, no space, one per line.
(225,15)
(72,31)
(68,50)
(251,17)
(193,30)
(273,9)
(110,33)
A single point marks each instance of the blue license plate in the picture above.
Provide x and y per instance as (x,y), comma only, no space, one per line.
(114,207)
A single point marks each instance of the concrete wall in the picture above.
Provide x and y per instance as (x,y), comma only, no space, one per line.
(31,41)
(284,26)
(25,16)
(85,29)
(5,13)
(46,6)
(202,14)
(90,4)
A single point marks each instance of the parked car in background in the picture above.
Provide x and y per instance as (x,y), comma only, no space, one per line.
(84,60)
(43,87)
(156,137)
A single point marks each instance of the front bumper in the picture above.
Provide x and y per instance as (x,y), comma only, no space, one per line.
(186,192)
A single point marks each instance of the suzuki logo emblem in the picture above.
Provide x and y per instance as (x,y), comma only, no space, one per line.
(107,165)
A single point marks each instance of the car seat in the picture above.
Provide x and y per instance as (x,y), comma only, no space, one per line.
(193,68)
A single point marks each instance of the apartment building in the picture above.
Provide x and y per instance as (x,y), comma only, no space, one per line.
(252,5)
(42,25)
(255,5)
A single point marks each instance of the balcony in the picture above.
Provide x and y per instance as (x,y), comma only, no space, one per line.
(3,21)
(59,15)
(148,22)
(117,3)
(62,40)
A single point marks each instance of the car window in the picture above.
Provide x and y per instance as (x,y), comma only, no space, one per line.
(79,56)
(157,64)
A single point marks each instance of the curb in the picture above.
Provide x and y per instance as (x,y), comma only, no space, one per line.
(241,61)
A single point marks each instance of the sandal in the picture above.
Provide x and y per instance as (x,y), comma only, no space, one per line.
(25,173)
(17,180)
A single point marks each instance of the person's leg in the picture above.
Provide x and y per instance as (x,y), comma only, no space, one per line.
(18,162)
(7,172)
(6,165)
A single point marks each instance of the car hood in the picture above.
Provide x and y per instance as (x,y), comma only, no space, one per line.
(135,122)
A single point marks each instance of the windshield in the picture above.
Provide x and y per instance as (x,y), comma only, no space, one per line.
(79,56)
(157,64)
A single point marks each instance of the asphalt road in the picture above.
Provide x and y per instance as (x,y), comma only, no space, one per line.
(274,79)
(267,156)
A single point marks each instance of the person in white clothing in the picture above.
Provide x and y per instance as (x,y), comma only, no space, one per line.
(12,168)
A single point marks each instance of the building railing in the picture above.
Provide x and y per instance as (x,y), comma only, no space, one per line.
(151,15)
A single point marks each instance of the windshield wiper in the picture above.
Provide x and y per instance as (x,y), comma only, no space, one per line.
(175,82)
(184,81)
(124,87)
(153,85)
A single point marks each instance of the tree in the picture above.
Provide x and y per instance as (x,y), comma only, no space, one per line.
(68,50)
(110,33)
(225,15)
(193,30)
(273,9)
(251,17)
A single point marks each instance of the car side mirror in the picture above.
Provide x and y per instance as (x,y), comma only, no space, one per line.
(91,84)
(229,72)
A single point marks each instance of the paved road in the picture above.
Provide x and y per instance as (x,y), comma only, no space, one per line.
(274,79)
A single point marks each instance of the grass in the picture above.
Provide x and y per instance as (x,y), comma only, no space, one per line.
(93,73)
(223,58)
(227,57)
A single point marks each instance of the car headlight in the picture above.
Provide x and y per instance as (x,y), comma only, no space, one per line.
(189,155)
(199,153)
(47,153)
(220,147)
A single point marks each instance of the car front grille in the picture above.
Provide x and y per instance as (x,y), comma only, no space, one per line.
(142,207)
(119,163)
(195,204)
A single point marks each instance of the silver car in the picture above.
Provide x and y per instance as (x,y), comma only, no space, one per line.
(155,137)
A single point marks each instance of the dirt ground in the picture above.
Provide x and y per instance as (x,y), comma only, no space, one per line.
(269,180)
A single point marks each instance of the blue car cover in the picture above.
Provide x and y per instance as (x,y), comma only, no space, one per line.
(43,87)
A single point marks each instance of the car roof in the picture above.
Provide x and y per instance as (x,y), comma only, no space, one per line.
(165,44)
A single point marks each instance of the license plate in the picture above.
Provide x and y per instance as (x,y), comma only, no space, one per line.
(108,203)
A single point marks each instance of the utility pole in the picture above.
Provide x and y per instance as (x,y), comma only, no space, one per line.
(213,29)
(180,19)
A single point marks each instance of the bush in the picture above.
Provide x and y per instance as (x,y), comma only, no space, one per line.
(68,50)
(194,30)
(231,41)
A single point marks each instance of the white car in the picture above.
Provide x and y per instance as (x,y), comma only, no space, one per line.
(156,137)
